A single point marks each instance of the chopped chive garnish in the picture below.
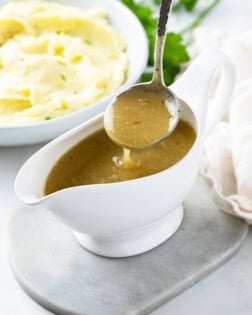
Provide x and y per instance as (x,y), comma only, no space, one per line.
(48,118)
(58,32)
(88,41)
(63,77)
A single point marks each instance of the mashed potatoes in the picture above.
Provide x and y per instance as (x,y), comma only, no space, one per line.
(55,60)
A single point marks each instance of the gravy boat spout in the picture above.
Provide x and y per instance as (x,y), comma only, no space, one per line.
(125,218)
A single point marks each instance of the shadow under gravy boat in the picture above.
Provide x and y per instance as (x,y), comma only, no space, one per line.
(128,218)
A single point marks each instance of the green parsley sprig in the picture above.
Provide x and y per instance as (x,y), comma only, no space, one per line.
(175,51)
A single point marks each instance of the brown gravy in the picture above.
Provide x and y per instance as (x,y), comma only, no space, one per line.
(96,160)
(139,118)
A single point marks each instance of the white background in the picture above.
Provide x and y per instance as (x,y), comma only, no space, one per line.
(228,291)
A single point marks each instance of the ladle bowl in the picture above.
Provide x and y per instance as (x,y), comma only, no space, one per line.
(164,94)
(155,108)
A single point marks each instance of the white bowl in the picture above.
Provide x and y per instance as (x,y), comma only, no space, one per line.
(126,24)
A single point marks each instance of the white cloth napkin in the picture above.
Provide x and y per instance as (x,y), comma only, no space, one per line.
(228,150)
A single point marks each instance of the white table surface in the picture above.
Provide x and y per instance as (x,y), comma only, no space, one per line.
(227,291)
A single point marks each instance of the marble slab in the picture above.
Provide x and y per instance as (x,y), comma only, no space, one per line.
(66,279)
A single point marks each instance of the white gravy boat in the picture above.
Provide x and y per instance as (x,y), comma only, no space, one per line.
(129,218)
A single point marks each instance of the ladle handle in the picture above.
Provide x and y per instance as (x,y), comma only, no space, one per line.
(158,76)
(163,16)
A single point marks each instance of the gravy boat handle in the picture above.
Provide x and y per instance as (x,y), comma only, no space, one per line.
(193,87)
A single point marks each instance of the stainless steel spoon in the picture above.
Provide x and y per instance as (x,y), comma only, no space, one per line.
(146,113)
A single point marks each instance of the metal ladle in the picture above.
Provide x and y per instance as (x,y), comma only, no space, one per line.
(119,124)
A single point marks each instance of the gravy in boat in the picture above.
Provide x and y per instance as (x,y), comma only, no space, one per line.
(97,160)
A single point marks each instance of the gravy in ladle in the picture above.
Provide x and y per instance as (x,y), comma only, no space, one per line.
(139,117)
